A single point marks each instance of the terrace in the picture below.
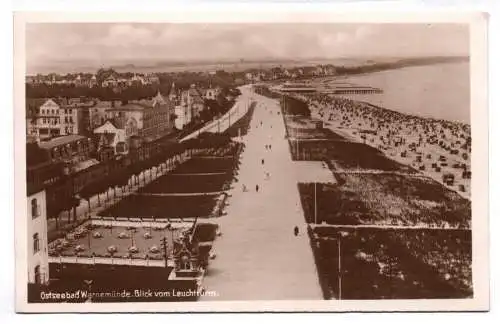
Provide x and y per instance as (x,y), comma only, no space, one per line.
(137,245)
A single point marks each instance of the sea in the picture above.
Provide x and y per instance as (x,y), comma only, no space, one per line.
(440,91)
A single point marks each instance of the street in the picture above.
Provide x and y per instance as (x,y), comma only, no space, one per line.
(258,257)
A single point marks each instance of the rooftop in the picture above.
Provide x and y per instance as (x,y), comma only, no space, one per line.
(130,107)
(58,141)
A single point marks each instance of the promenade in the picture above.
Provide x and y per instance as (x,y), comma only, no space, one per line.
(258,257)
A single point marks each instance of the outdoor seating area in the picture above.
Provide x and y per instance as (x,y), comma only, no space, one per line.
(117,241)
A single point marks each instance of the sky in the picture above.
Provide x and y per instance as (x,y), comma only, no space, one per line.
(104,44)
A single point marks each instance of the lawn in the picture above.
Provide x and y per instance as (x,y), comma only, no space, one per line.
(241,127)
(384,263)
(136,206)
(206,165)
(385,199)
(346,156)
(178,183)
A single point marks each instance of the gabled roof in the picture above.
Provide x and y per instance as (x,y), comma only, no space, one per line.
(107,123)
(159,99)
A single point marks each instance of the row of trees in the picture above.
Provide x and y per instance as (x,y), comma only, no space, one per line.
(122,178)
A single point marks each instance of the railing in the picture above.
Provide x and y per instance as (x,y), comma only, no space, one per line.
(111,261)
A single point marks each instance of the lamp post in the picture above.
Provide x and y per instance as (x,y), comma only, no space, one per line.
(315,205)
(339,240)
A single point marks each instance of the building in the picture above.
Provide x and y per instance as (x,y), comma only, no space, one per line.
(110,82)
(182,116)
(150,119)
(46,122)
(38,264)
(114,135)
(193,102)
(69,149)
(211,93)
(54,118)
(98,113)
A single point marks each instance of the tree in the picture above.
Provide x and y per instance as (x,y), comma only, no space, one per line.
(102,74)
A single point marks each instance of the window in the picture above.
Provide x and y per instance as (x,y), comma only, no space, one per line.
(66,111)
(71,111)
(37,275)
(36,243)
(35,212)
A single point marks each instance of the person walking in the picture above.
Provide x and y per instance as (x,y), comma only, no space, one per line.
(256,188)
(296,230)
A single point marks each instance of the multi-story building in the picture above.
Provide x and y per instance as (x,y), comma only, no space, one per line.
(54,118)
(46,122)
(150,120)
(98,113)
(194,100)
(38,264)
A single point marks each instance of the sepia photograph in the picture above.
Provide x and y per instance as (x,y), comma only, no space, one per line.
(319,165)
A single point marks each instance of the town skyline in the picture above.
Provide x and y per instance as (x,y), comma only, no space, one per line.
(85,47)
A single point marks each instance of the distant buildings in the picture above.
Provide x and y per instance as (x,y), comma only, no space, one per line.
(90,80)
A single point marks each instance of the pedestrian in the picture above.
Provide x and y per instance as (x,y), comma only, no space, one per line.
(262,161)
(296,231)
(256,188)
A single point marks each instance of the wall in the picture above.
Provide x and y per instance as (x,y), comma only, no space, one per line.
(37,225)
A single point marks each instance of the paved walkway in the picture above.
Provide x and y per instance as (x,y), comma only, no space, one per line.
(258,257)
(178,194)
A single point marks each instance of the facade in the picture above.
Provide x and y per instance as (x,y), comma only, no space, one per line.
(47,122)
(114,136)
(54,119)
(183,116)
(70,148)
(38,265)
(148,120)
(211,93)
(98,112)
(193,99)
